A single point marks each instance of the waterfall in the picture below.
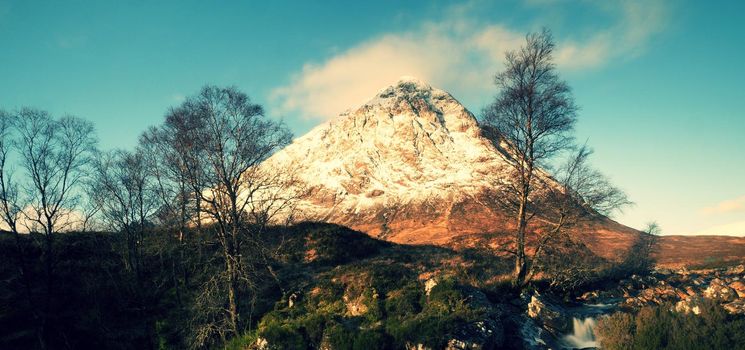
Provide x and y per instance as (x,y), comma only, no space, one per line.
(582,334)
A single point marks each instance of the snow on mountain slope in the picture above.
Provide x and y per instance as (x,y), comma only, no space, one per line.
(411,165)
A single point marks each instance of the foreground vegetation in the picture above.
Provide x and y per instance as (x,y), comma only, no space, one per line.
(660,327)
(326,270)
(323,286)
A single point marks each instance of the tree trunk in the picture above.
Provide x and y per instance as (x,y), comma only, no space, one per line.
(232,299)
(520,260)
(230,265)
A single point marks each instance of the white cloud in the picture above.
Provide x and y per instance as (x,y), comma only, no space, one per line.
(458,55)
(438,53)
(736,205)
(637,22)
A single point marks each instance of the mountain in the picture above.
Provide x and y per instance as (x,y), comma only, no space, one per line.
(412,165)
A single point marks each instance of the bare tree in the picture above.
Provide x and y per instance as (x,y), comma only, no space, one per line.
(125,190)
(54,154)
(169,156)
(652,228)
(10,205)
(534,116)
(225,137)
(576,194)
(11,212)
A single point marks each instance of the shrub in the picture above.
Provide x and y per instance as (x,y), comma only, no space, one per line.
(617,331)
(404,302)
(339,337)
(658,327)
(283,336)
(370,339)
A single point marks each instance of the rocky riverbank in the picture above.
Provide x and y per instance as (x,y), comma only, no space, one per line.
(549,322)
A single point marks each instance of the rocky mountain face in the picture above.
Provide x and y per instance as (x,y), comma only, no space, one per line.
(412,165)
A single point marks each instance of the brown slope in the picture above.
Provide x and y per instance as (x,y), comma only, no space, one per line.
(679,251)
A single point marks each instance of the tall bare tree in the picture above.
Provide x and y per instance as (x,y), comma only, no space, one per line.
(170,155)
(226,137)
(53,154)
(534,115)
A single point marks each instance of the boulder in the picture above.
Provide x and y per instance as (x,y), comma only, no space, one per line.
(736,270)
(736,307)
(482,335)
(739,287)
(260,344)
(690,305)
(429,284)
(720,292)
(552,316)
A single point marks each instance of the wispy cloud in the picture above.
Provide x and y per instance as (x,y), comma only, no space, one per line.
(439,53)
(458,54)
(736,205)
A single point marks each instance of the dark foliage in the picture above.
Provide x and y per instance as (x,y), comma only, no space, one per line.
(658,327)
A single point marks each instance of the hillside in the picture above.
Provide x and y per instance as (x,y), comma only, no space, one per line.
(413,165)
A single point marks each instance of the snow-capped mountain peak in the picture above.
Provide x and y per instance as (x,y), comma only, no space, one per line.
(409,150)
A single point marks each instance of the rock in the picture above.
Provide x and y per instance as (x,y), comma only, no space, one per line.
(429,284)
(260,344)
(736,270)
(687,306)
(663,271)
(739,287)
(720,292)
(356,305)
(736,307)
(292,300)
(590,296)
(482,335)
(551,316)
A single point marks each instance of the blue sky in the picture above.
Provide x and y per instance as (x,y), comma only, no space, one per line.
(660,83)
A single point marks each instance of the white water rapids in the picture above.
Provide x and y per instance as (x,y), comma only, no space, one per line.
(583,335)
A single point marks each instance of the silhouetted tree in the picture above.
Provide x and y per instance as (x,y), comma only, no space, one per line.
(226,137)
(54,154)
(653,228)
(10,205)
(125,193)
